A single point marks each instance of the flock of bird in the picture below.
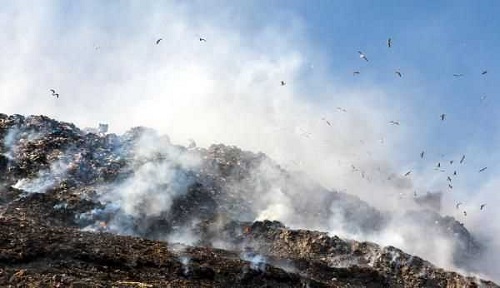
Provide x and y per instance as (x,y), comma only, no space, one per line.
(392,122)
(363,56)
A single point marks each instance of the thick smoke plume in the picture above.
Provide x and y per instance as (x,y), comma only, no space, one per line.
(228,90)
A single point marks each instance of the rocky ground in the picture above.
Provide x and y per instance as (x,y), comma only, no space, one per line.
(90,209)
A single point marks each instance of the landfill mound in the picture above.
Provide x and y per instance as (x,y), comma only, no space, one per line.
(83,208)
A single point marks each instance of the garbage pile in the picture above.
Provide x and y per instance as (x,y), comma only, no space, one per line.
(104,210)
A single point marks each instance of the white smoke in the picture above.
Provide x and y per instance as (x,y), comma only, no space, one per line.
(105,65)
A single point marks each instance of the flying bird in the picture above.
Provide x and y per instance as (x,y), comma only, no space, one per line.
(283,83)
(422,154)
(482,169)
(458,75)
(327,122)
(54,93)
(458,205)
(451,162)
(399,74)
(394,122)
(408,173)
(483,98)
(158,41)
(439,165)
(203,40)
(355,73)
(449,186)
(443,116)
(465,213)
(341,109)
(449,179)
(462,160)
(484,72)
(389,42)
(482,206)
(362,56)
(454,173)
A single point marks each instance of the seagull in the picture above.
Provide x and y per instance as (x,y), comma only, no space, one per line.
(203,40)
(482,169)
(327,122)
(465,213)
(483,98)
(422,154)
(158,41)
(458,205)
(399,74)
(484,72)
(394,122)
(451,162)
(54,93)
(449,179)
(439,165)
(355,73)
(454,173)
(362,56)
(408,173)
(482,206)
(449,186)
(341,109)
(458,75)
(389,42)
(462,160)
(443,116)
(283,83)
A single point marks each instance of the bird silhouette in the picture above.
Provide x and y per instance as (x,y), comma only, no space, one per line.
(362,56)
(389,42)
(462,160)
(443,116)
(355,73)
(482,169)
(203,40)
(54,93)
(158,41)
(458,75)
(283,83)
(394,122)
(484,72)
(458,205)
(327,122)
(399,74)
(422,154)
(408,173)
(482,206)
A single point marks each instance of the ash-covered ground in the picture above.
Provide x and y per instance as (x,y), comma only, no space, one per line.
(83,208)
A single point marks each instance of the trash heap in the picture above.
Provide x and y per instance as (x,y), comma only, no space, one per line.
(84,208)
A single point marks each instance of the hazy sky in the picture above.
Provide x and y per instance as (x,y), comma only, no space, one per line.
(101,57)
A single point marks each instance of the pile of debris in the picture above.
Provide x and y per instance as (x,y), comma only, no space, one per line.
(90,209)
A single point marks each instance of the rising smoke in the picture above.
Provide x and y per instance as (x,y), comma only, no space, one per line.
(226,90)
